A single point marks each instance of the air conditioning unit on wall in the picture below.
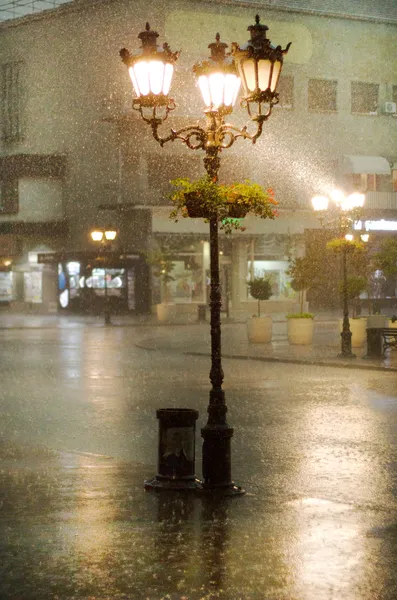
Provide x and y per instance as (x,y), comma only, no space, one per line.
(390,108)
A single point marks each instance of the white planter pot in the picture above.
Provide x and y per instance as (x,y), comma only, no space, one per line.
(166,312)
(259,330)
(390,324)
(300,331)
(358,327)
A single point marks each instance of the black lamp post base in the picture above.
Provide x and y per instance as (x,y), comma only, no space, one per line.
(346,343)
(220,490)
(346,355)
(161,484)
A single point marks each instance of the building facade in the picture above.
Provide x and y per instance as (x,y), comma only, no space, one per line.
(73,154)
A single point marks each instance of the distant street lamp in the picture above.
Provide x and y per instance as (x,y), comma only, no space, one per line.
(344,211)
(257,65)
(105,237)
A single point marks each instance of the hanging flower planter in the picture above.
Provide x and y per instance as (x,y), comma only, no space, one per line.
(205,198)
(238,211)
(195,207)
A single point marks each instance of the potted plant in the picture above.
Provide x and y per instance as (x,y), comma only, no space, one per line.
(259,328)
(204,198)
(161,261)
(300,326)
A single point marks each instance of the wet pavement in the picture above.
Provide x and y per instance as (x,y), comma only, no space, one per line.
(314,446)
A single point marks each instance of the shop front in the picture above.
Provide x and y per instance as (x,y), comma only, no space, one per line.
(84,280)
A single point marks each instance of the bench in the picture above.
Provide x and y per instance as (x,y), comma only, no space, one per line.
(389,336)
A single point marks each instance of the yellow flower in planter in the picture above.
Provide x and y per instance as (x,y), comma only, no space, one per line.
(205,198)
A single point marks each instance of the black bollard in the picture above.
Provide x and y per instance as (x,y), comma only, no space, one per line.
(374,343)
(176,450)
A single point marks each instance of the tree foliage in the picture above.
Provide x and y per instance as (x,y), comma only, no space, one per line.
(260,288)
(386,257)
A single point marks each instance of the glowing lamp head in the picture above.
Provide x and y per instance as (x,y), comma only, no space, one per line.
(217,78)
(349,237)
(259,65)
(320,203)
(97,235)
(151,69)
(110,234)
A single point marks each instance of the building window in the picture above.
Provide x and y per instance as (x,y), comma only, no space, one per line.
(11,101)
(364,97)
(322,95)
(285,90)
(9,196)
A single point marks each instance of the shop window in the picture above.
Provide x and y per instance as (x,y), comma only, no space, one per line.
(364,97)
(285,90)
(9,196)
(322,95)
(11,101)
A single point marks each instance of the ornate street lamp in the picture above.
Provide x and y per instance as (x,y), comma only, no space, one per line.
(105,237)
(342,214)
(258,65)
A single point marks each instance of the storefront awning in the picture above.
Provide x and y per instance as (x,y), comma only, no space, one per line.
(374,165)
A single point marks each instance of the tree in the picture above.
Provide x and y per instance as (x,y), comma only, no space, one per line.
(303,272)
(356,284)
(260,288)
(386,258)
(162,262)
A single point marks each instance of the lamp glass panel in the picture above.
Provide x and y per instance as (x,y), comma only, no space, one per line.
(141,71)
(275,75)
(232,86)
(217,86)
(110,234)
(168,73)
(236,90)
(264,68)
(356,200)
(205,89)
(320,202)
(97,235)
(156,76)
(134,81)
(249,69)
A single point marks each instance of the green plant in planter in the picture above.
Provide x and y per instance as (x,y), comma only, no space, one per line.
(303,273)
(356,284)
(161,261)
(229,202)
(300,315)
(260,288)
(339,245)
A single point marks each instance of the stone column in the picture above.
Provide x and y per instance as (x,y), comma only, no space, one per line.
(239,273)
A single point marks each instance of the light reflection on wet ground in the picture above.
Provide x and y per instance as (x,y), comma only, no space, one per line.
(315,448)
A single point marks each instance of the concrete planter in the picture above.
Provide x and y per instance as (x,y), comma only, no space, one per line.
(300,330)
(259,330)
(358,327)
(166,312)
(375,321)
(391,324)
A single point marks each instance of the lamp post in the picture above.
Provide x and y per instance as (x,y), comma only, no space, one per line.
(105,238)
(344,211)
(257,65)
